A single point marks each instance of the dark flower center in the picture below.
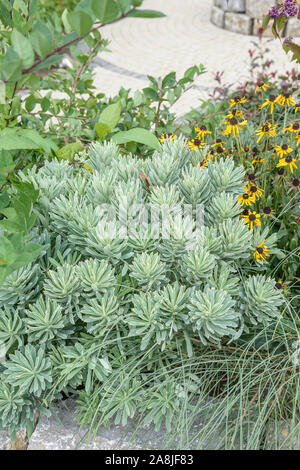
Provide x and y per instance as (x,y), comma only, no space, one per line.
(289,159)
(245,212)
(266,210)
(246,148)
(252,217)
(253,189)
(284,147)
(278,285)
(251,177)
(197,142)
(218,141)
(296,182)
(272,98)
(296,126)
(233,121)
(245,196)
(219,150)
(280,171)
(260,250)
(265,128)
(203,128)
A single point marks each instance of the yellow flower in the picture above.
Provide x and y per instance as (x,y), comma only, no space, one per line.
(292,128)
(262,86)
(237,100)
(297,137)
(196,144)
(252,219)
(254,191)
(234,113)
(246,149)
(246,199)
(270,102)
(286,99)
(282,150)
(297,107)
(202,132)
(166,136)
(233,126)
(288,161)
(266,129)
(258,160)
(261,252)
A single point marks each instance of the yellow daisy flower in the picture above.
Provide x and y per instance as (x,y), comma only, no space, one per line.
(234,113)
(266,129)
(246,199)
(237,100)
(196,144)
(262,86)
(261,252)
(295,127)
(282,150)
(202,132)
(286,99)
(258,160)
(252,219)
(288,161)
(233,126)
(254,191)
(297,107)
(270,102)
(166,136)
(297,137)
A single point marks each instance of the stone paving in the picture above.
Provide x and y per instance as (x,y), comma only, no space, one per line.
(185,37)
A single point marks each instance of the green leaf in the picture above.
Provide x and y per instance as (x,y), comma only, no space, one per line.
(111,115)
(169,80)
(4,200)
(41,39)
(67,152)
(105,10)
(4,15)
(11,66)
(151,94)
(266,21)
(7,253)
(146,14)
(80,21)
(101,129)
(139,135)
(23,48)
(25,139)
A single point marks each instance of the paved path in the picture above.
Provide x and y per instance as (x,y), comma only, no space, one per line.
(181,39)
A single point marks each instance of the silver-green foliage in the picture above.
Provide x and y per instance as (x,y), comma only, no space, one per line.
(96,299)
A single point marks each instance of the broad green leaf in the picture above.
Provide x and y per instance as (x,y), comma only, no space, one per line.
(105,10)
(31,251)
(80,21)
(101,129)
(11,66)
(139,135)
(4,15)
(4,200)
(146,14)
(7,252)
(25,139)
(169,80)
(23,48)
(41,39)
(111,115)
(67,152)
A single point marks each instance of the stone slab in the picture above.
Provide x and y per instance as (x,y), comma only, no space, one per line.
(258,8)
(238,23)
(237,6)
(217,17)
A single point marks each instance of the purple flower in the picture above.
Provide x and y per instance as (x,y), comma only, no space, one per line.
(287,8)
(287,41)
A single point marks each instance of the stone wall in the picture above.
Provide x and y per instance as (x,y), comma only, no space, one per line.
(245,17)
